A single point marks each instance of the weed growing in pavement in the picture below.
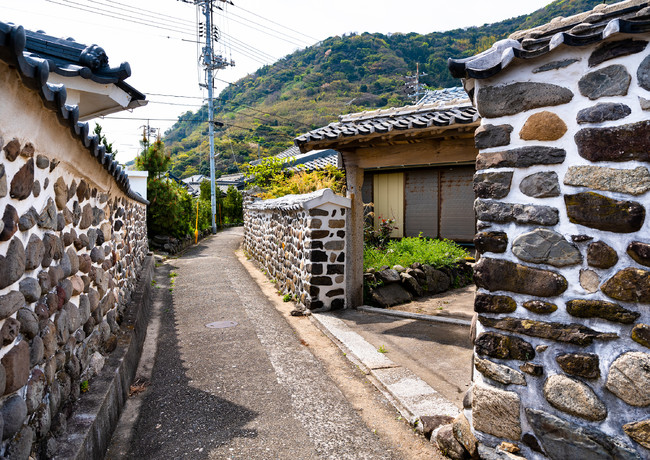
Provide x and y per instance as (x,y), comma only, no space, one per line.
(84,386)
(157,265)
(154,282)
(173,274)
(287,297)
(382,349)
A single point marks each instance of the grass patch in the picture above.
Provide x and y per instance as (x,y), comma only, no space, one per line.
(404,252)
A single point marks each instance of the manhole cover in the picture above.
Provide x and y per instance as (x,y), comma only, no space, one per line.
(221,324)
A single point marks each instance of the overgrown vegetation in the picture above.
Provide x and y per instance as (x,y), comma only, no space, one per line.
(263,112)
(172,210)
(275,182)
(407,251)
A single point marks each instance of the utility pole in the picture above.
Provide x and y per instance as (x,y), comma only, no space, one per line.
(413,86)
(210,64)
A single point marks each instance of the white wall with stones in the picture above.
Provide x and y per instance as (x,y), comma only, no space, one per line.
(300,241)
(562,357)
(71,246)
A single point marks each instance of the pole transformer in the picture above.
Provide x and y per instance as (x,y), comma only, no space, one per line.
(210,63)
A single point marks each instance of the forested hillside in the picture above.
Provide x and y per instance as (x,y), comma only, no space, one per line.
(263,112)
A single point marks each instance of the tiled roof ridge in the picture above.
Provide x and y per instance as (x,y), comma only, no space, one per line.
(415,118)
(393,112)
(34,73)
(604,21)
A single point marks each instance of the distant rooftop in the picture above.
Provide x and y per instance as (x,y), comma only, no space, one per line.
(446,96)
(388,122)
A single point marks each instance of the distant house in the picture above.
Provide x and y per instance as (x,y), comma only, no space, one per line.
(417,162)
(91,84)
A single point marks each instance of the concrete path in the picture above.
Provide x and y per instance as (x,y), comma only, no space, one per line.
(252,390)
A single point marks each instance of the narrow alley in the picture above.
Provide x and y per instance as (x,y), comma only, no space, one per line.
(251,390)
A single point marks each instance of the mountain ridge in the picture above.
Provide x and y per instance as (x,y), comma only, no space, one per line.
(263,112)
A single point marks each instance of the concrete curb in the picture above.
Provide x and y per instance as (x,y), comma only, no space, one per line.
(97,412)
(418,316)
(410,395)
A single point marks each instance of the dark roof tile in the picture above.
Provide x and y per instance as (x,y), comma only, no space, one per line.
(604,21)
(34,73)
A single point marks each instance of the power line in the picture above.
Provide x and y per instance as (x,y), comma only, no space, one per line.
(262,25)
(276,23)
(105,13)
(267,33)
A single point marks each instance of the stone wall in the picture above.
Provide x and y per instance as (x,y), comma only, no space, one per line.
(72,241)
(562,357)
(300,241)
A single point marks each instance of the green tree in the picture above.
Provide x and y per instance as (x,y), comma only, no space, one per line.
(103,141)
(233,205)
(153,159)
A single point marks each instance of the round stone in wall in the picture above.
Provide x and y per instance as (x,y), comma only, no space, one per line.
(629,378)
(540,185)
(608,81)
(574,397)
(600,255)
(543,126)
(641,334)
(589,280)
(639,432)
(643,74)
(542,246)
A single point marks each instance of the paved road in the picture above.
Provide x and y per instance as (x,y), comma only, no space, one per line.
(250,391)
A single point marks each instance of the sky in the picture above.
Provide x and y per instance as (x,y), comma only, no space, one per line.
(158,39)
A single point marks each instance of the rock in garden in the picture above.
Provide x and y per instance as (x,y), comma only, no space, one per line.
(448,444)
(390,295)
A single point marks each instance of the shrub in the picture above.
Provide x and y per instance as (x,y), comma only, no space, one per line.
(407,251)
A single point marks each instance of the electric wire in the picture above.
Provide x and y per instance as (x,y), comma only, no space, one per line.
(276,23)
(276,31)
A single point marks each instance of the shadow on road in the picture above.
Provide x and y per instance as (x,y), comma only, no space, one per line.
(176,419)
